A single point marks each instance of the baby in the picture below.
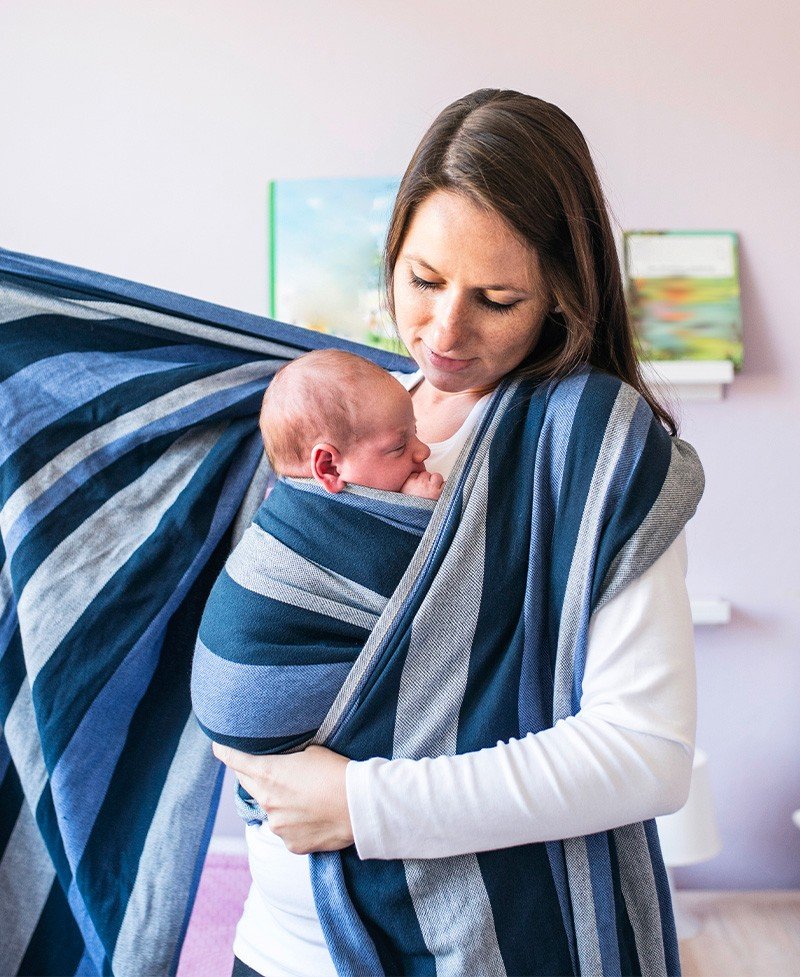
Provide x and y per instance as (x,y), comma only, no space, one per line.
(303,589)
(338,418)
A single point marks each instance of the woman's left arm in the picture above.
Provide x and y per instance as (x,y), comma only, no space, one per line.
(625,756)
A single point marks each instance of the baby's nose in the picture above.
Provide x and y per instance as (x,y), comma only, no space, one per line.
(421,451)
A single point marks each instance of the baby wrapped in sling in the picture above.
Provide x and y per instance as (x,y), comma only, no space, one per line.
(302,590)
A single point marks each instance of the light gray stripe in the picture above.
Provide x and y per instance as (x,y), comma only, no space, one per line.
(263,565)
(134,420)
(223,335)
(15,306)
(455,915)
(641,897)
(18,301)
(449,497)
(6,589)
(82,564)
(22,736)
(674,507)
(253,498)
(437,664)
(379,495)
(587,939)
(449,895)
(154,915)
(26,877)
(574,608)
(580,573)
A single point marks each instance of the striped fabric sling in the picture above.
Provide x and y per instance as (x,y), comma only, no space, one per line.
(129,443)
(292,609)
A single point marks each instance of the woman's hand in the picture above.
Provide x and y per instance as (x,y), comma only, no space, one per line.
(303,793)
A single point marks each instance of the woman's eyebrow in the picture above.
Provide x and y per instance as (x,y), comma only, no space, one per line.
(486,288)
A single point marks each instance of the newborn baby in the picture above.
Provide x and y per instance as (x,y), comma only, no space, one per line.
(306,584)
(340,419)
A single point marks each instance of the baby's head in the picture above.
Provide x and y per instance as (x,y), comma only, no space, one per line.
(339,418)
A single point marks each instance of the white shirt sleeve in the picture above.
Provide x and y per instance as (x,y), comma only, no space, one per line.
(626,756)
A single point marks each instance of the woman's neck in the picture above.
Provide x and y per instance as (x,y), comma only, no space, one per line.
(439,413)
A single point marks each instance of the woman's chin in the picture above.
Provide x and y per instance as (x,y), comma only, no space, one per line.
(452,383)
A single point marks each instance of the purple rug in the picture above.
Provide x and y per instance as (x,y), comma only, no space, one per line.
(207,950)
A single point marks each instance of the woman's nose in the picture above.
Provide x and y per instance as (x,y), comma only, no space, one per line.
(448,323)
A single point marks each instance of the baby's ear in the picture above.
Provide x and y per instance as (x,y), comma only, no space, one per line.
(325,459)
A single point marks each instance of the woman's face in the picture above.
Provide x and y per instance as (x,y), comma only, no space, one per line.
(469,295)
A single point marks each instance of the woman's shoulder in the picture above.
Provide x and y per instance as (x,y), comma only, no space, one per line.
(595,387)
(596,402)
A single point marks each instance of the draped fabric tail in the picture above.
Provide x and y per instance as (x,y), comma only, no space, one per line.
(129,442)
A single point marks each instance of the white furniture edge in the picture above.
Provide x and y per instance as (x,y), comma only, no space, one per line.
(692,379)
(710,610)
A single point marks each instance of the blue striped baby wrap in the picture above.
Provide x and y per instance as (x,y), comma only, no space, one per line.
(293,607)
(133,445)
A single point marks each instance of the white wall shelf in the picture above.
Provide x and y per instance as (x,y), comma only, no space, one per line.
(692,379)
(711,610)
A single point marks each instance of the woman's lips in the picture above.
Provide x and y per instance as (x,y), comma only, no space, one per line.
(447,363)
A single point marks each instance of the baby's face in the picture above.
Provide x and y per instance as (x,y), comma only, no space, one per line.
(391,450)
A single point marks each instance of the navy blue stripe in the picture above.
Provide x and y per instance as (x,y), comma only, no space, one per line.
(56,946)
(379,892)
(525,869)
(45,334)
(53,439)
(12,674)
(48,826)
(11,801)
(259,745)
(234,629)
(487,712)
(338,537)
(135,588)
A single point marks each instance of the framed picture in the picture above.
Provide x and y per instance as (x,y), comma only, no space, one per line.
(682,290)
(326,239)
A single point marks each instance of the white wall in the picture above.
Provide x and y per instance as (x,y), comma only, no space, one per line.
(137,138)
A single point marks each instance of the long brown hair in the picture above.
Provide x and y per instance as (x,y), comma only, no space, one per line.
(526,160)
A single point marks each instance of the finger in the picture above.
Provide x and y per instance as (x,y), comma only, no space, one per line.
(222,752)
(239,762)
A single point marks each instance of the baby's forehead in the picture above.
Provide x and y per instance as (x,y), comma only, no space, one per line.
(385,402)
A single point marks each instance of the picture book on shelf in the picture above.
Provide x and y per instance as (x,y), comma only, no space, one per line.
(682,290)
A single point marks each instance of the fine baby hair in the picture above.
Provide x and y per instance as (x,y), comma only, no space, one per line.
(310,400)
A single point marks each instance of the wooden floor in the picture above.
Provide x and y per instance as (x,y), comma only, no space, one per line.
(741,934)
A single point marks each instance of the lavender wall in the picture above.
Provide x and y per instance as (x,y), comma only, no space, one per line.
(137,139)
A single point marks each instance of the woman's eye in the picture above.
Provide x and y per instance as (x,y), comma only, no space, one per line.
(421,283)
(501,307)
(497,306)
(401,448)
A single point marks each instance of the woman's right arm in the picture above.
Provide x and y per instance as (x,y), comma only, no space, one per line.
(626,756)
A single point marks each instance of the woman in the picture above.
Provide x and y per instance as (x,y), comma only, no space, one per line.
(500,264)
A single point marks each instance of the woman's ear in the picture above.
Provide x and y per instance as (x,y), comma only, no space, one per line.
(325,463)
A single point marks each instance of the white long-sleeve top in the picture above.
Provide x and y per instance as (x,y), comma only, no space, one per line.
(626,756)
